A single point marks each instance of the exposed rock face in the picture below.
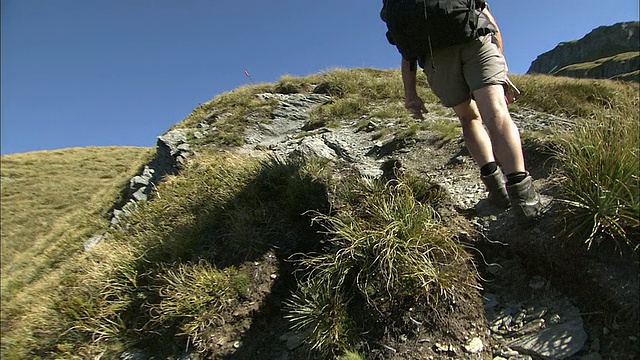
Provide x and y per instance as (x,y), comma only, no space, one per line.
(172,150)
(600,46)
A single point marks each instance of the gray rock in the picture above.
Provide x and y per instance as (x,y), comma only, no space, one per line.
(559,341)
(133,354)
(140,195)
(172,150)
(294,106)
(591,356)
(292,339)
(173,139)
(474,346)
(490,301)
(93,241)
(368,169)
(313,147)
(340,144)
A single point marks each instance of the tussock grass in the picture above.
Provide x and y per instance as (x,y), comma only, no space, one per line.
(599,160)
(389,111)
(330,115)
(447,130)
(196,297)
(601,164)
(386,249)
(288,84)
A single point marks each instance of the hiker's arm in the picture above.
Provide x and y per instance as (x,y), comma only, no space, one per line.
(497,36)
(412,101)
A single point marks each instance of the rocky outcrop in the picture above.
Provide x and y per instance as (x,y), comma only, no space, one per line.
(172,150)
(595,55)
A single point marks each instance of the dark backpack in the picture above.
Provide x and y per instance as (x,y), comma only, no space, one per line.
(416,27)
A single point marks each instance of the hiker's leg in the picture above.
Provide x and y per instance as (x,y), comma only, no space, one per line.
(475,136)
(479,145)
(505,137)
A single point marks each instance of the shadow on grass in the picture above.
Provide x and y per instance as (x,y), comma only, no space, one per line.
(269,217)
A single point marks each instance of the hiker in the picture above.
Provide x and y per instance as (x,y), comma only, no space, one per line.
(458,45)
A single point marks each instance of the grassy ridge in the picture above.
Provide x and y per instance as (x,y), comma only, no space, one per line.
(53,201)
(221,211)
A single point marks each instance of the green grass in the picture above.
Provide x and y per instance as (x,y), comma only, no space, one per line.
(593,64)
(570,97)
(196,296)
(330,115)
(599,160)
(448,130)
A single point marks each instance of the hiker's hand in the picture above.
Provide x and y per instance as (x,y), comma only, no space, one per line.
(511,92)
(416,107)
(509,95)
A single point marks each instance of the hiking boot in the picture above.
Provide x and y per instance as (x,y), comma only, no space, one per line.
(525,200)
(494,183)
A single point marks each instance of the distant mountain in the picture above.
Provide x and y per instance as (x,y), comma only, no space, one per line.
(607,52)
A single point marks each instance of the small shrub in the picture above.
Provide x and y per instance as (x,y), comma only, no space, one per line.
(321,314)
(197,296)
(386,250)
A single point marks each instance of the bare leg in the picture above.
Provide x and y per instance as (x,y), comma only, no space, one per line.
(503,132)
(475,136)
(479,144)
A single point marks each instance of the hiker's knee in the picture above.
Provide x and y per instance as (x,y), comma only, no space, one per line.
(497,119)
(492,106)
(467,112)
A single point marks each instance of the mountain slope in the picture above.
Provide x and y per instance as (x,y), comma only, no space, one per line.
(607,52)
(215,262)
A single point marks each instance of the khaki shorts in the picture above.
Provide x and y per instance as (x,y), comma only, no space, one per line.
(454,72)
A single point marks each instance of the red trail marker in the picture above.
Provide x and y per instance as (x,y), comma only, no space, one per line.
(249,76)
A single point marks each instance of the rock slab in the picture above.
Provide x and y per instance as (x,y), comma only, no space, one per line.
(558,341)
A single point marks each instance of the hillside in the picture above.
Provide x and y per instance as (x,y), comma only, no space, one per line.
(607,52)
(312,218)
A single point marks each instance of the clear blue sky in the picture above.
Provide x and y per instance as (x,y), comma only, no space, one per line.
(79,73)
